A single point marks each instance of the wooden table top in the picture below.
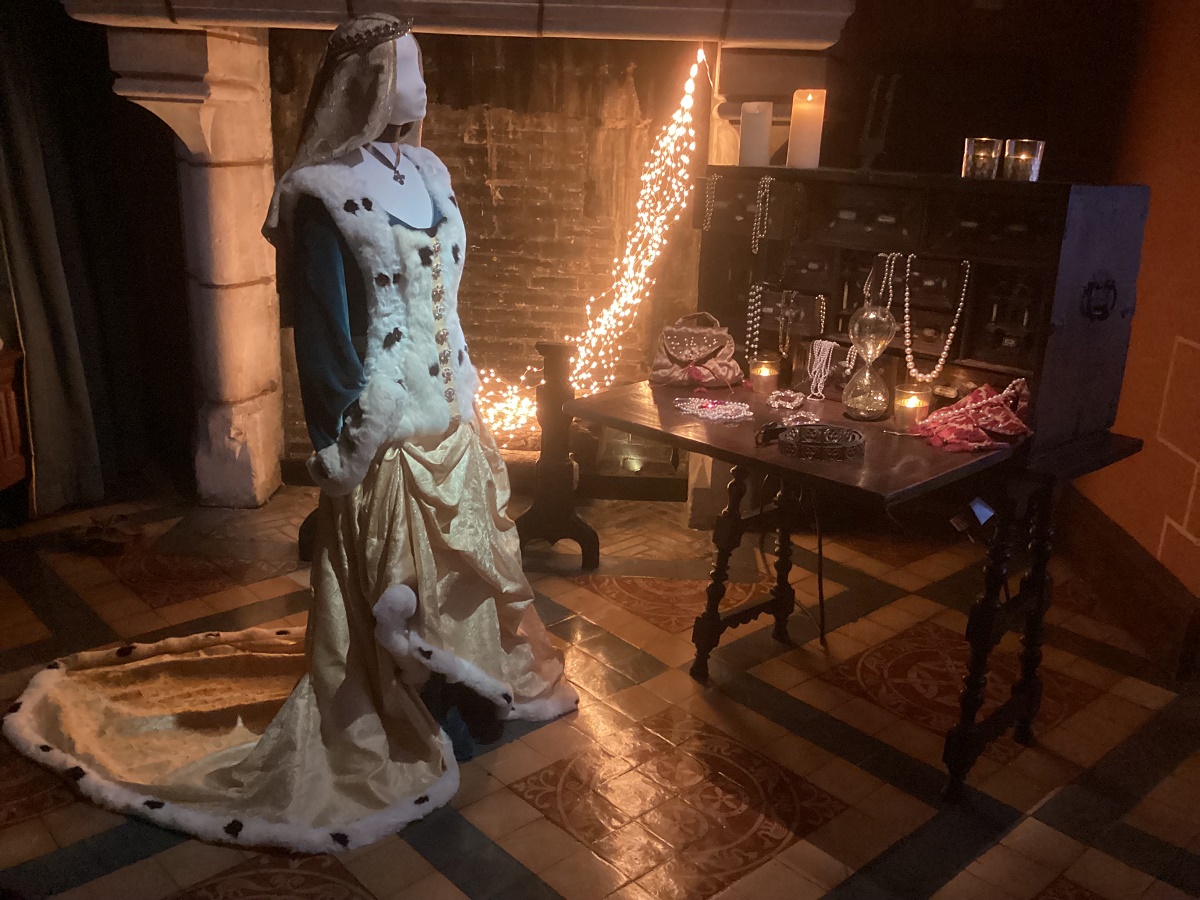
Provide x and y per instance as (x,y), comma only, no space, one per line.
(895,468)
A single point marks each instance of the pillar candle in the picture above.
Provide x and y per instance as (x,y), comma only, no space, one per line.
(756,134)
(804,136)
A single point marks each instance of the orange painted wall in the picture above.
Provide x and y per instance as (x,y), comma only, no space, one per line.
(1155,496)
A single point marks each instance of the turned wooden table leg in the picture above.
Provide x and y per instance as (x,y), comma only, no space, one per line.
(727,536)
(982,623)
(783,595)
(1036,586)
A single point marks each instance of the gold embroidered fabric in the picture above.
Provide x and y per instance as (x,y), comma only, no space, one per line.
(315,741)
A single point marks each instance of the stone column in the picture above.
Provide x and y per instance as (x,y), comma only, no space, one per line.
(211,87)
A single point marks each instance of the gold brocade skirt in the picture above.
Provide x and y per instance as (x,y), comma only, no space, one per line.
(319,740)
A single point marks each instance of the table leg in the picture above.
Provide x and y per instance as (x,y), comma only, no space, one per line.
(959,752)
(727,536)
(783,595)
(1036,586)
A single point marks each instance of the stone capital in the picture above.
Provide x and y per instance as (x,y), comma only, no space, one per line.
(194,80)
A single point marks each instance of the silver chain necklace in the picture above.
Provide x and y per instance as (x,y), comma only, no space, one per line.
(761,212)
(397,175)
(710,200)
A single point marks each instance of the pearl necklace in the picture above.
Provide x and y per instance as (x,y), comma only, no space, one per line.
(965,265)
(950,411)
(710,199)
(889,279)
(820,361)
(753,319)
(714,410)
(761,212)
(785,399)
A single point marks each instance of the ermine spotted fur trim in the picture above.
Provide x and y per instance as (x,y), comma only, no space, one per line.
(231,827)
(414,656)
(404,396)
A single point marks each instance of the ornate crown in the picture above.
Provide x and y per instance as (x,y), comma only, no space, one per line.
(371,36)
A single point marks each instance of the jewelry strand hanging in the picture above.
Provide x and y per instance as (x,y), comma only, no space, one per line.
(889,278)
(753,319)
(965,266)
(785,325)
(761,212)
(710,200)
(820,361)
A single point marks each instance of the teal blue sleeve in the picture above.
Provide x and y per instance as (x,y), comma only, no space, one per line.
(323,278)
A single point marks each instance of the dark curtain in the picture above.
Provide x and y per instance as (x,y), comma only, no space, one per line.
(90,214)
(66,455)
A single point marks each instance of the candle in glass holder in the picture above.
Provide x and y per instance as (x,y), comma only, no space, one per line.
(981,157)
(913,402)
(1023,159)
(764,373)
(804,133)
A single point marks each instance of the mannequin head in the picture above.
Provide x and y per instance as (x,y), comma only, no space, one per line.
(408,98)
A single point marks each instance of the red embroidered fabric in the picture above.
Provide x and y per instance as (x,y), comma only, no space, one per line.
(998,420)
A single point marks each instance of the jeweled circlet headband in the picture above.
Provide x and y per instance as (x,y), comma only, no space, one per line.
(377,34)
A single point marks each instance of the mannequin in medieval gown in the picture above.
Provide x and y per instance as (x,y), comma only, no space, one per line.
(319,740)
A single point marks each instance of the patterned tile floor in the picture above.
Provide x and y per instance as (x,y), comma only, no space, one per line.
(800,771)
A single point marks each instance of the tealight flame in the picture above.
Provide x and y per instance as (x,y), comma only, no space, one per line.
(810,96)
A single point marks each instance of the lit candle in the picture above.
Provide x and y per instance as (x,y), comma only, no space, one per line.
(804,135)
(1023,159)
(756,133)
(912,405)
(764,374)
(981,157)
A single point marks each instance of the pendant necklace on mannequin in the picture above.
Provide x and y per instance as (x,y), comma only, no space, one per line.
(397,175)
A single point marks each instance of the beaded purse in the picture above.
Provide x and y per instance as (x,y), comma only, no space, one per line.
(697,351)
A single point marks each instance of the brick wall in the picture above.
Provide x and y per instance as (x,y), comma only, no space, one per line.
(534,255)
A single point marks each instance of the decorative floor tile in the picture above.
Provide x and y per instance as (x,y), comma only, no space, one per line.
(668,603)
(270,875)
(161,579)
(918,674)
(700,812)
(26,789)
(1065,889)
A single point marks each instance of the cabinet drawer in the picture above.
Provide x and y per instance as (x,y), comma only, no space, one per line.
(867,217)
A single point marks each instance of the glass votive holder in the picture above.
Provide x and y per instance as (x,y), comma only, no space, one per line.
(764,373)
(913,402)
(981,157)
(1023,159)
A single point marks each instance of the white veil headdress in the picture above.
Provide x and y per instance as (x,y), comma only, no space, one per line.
(349,106)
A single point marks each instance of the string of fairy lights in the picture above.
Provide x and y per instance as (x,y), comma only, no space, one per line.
(509,407)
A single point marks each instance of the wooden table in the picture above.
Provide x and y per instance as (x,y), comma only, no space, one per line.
(894,469)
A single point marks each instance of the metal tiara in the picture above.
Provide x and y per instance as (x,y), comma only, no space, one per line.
(339,45)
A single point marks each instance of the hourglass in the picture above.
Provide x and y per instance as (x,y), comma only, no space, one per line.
(866,396)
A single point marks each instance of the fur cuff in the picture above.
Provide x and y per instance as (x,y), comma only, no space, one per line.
(369,422)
